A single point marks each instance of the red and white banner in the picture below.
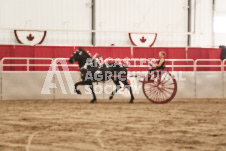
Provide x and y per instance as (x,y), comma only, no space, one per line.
(143,39)
(30,37)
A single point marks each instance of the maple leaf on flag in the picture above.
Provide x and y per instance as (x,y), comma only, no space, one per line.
(30,37)
(143,39)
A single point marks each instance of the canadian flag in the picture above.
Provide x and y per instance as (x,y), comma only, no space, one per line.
(143,39)
(30,37)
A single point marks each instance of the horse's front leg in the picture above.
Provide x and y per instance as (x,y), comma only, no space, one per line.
(94,96)
(126,84)
(118,86)
(80,83)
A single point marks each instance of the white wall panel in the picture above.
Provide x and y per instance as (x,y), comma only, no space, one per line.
(219,39)
(168,16)
(220,5)
(24,86)
(209,85)
(48,14)
(185,87)
(28,85)
(219,23)
(224,84)
(0,85)
(203,24)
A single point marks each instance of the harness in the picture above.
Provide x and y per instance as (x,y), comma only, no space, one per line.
(93,65)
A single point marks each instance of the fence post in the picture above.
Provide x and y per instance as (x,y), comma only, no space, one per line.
(1,85)
(54,77)
(27,64)
(131,51)
(172,65)
(223,62)
(195,69)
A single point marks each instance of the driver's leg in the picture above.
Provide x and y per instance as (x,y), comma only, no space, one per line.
(151,73)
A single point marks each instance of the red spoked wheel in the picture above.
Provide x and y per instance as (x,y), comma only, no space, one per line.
(160,87)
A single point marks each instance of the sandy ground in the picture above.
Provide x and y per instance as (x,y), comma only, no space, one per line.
(69,125)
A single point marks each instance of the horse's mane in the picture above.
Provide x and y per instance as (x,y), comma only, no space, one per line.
(86,53)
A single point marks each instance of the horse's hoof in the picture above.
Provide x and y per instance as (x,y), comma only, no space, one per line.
(77,91)
(111,97)
(131,102)
(93,101)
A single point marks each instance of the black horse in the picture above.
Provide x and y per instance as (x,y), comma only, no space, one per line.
(92,71)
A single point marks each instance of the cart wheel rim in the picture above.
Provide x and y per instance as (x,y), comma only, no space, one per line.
(162,90)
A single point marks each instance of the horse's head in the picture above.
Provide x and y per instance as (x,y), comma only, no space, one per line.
(76,56)
(79,56)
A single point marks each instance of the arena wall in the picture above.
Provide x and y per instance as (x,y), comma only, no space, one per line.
(21,85)
(107,52)
(60,18)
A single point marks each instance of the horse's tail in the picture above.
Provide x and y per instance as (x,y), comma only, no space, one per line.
(129,83)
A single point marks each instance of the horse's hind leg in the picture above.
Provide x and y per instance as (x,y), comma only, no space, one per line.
(94,96)
(118,86)
(130,90)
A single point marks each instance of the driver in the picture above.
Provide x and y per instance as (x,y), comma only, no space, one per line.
(160,63)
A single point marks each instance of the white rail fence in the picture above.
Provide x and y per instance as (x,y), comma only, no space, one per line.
(54,62)
(196,84)
(172,65)
(27,64)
